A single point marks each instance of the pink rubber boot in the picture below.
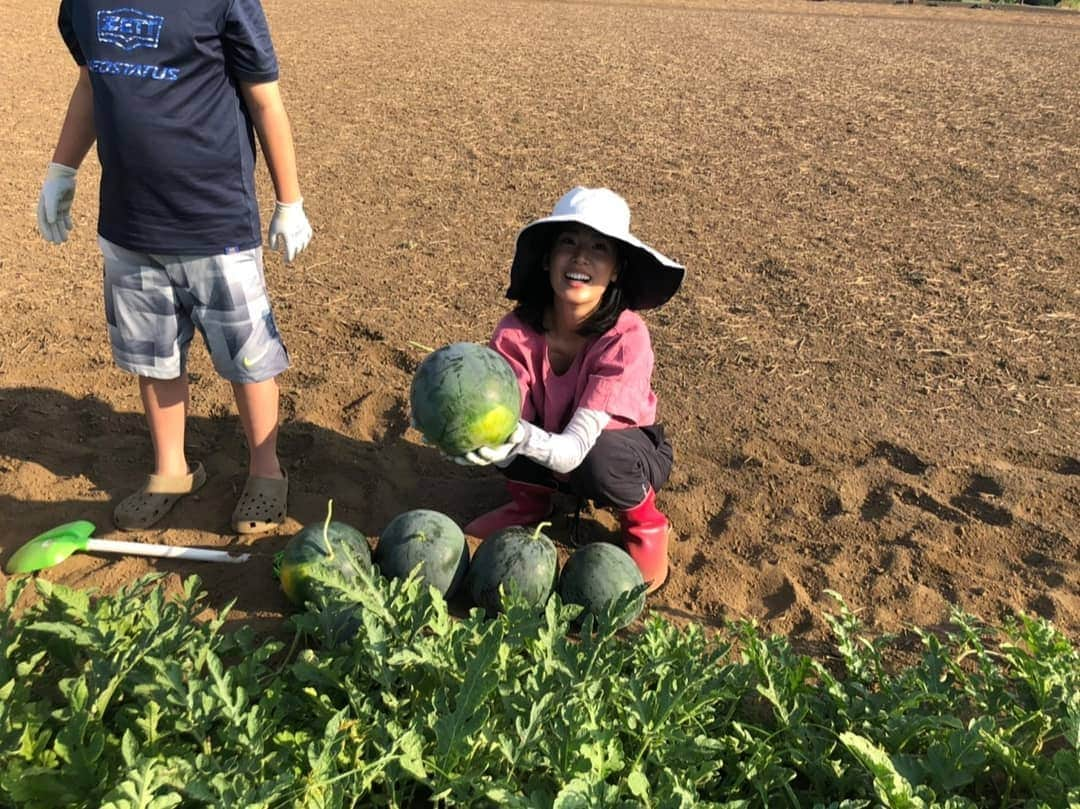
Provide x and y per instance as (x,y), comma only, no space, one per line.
(529,504)
(645,537)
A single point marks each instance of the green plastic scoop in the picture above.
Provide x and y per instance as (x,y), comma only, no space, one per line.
(57,544)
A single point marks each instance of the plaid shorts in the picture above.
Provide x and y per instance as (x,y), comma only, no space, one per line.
(154,303)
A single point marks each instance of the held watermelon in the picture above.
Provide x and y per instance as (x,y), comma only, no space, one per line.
(596,575)
(428,538)
(318,550)
(465,396)
(518,555)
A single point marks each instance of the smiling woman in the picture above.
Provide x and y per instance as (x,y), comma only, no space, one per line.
(582,268)
(581,264)
(584,362)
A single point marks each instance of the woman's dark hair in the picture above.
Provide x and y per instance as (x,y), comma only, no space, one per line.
(538,295)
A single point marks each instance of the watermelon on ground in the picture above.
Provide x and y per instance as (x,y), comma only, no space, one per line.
(596,575)
(518,555)
(464,396)
(321,549)
(427,538)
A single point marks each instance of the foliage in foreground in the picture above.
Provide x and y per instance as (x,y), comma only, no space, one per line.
(130,701)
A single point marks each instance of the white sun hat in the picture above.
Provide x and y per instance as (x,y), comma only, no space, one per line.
(649,278)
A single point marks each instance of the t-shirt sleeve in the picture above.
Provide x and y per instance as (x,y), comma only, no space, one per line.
(509,342)
(619,374)
(67,31)
(249,51)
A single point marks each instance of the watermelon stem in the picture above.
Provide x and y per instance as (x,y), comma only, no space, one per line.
(326,528)
(539,528)
(421,346)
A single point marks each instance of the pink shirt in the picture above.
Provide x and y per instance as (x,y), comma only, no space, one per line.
(613,374)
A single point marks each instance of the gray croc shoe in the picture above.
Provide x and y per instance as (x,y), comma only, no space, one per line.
(156,498)
(261,506)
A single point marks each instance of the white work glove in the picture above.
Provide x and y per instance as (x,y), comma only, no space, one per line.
(482,456)
(54,204)
(289,225)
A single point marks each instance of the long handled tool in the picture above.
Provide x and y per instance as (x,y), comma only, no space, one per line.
(57,544)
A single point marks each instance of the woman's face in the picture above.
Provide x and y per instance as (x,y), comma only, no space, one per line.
(581,264)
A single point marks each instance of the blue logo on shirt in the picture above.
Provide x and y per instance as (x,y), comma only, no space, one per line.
(108,67)
(129,28)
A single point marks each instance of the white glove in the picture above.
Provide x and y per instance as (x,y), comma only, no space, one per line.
(482,456)
(54,204)
(290,226)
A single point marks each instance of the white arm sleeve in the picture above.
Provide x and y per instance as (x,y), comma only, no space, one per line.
(563,452)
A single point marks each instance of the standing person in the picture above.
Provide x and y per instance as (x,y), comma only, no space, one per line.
(174,93)
(584,362)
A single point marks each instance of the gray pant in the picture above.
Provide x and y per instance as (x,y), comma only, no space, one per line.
(154,303)
(617,472)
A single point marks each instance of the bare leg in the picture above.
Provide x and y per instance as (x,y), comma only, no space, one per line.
(257,403)
(166,404)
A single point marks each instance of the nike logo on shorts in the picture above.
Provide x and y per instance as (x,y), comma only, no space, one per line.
(250,361)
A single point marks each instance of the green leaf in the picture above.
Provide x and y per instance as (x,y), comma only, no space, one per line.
(574,795)
(893,789)
(12,591)
(129,749)
(453,729)
(637,783)
(76,602)
(147,787)
(149,720)
(41,788)
(1070,723)
(66,631)
(955,762)
(411,757)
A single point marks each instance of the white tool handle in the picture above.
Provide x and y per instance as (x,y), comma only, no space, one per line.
(163,551)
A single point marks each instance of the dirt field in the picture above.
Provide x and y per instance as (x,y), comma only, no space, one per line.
(871,377)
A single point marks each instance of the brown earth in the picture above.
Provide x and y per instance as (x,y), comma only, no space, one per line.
(871,376)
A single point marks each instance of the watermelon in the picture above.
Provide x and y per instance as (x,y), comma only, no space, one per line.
(515,555)
(596,575)
(464,396)
(321,550)
(427,538)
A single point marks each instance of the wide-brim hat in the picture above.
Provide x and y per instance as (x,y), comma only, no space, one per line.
(648,279)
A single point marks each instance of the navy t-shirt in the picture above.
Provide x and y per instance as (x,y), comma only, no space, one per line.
(174,138)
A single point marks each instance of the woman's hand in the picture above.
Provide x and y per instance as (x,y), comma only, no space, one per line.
(483,456)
